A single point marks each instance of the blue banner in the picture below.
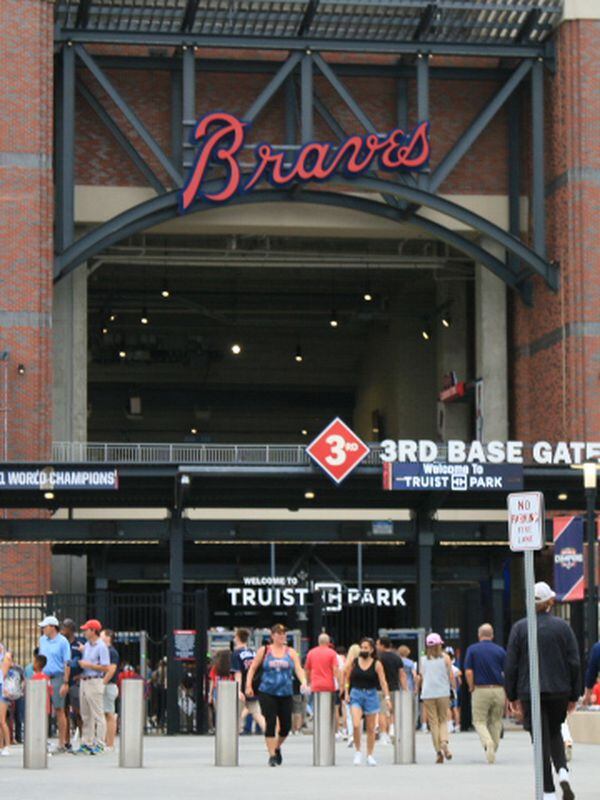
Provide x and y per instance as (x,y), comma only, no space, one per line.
(568,558)
(441,477)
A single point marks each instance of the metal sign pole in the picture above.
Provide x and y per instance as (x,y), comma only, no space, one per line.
(534,674)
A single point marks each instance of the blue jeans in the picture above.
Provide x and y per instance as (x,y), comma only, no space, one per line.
(366,699)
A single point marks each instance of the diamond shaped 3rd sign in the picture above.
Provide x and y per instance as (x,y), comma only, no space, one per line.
(337,450)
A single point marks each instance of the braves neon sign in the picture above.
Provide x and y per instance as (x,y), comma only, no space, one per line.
(221,138)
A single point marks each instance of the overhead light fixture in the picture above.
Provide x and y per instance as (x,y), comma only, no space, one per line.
(236,349)
(299,357)
(304,432)
(122,354)
(194,431)
(104,330)
(367,296)
(165,291)
(111,316)
(48,495)
(446,320)
(309,495)
(144,319)
(334,320)
(21,369)
(563,496)
(426,330)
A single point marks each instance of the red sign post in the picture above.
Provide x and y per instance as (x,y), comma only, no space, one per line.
(337,450)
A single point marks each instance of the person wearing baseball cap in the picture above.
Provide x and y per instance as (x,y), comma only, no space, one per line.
(94,664)
(57,651)
(437,681)
(559,683)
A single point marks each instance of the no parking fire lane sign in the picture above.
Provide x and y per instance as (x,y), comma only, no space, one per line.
(337,450)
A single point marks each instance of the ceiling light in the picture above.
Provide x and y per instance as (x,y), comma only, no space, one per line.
(104,330)
(122,354)
(111,316)
(194,431)
(563,496)
(165,291)
(367,296)
(144,319)
(446,320)
(304,432)
(426,331)
(21,369)
(48,495)
(309,495)
(236,349)
(333,321)
(299,357)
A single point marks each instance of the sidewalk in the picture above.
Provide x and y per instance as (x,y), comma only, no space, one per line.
(183,767)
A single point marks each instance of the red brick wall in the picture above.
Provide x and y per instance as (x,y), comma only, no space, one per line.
(556,356)
(26,211)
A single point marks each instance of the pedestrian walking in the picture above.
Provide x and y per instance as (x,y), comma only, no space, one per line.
(591,677)
(410,667)
(393,666)
(55,647)
(321,666)
(559,684)
(277,664)
(95,663)
(242,657)
(484,673)
(5,665)
(68,629)
(437,682)
(363,679)
(111,689)
(454,711)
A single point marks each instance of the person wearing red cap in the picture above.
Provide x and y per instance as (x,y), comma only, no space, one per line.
(94,663)
(437,680)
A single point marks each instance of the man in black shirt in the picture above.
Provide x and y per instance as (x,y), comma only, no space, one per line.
(393,666)
(559,683)
(241,658)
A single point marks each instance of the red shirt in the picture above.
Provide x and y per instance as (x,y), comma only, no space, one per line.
(40,676)
(322,662)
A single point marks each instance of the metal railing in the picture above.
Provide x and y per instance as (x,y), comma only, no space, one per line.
(293,455)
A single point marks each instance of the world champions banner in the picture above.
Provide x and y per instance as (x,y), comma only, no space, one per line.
(569,583)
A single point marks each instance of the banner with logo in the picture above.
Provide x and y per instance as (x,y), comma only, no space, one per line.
(569,583)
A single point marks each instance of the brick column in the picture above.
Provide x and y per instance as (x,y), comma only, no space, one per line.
(556,359)
(26,219)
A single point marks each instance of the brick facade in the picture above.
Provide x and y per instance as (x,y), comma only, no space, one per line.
(26,213)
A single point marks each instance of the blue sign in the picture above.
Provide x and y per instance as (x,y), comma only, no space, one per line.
(569,582)
(441,477)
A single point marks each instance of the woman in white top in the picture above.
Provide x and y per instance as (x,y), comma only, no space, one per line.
(436,682)
(5,665)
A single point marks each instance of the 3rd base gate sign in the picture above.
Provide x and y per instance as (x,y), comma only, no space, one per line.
(337,450)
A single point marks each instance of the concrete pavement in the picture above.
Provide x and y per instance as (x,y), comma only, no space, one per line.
(182,767)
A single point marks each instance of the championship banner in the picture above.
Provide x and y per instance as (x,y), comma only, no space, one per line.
(569,581)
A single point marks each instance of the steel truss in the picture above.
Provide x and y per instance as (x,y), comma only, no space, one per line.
(294,79)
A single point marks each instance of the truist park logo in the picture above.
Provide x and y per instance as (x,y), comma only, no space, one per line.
(220,138)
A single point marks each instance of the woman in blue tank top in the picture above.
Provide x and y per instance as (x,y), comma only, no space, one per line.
(278,663)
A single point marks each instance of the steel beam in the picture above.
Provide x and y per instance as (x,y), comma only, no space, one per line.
(189,16)
(307,113)
(538,202)
(422,104)
(65,152)
(402,103)
(176,118)
(478,126)
(121,139)
(273,86)
(129,114)
(293,44)
(514,172)
(188,105)
(159,209)
(343,92)
(291,112)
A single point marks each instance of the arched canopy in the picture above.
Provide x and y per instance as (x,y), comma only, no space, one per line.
(164,207)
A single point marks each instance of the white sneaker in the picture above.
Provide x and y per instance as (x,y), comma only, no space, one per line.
(371,761)
(338,737)
(549,796)
(357,759)
(565,784)
(423,728)
(350,743)
(5,752)
(385,739)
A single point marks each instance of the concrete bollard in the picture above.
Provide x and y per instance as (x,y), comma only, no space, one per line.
(404,728)
(131,744)
(35,752)
(226,734)
(324,729)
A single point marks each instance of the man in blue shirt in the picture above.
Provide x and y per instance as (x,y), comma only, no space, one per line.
(591,673)
(484,671)
(57,651)
(94,663)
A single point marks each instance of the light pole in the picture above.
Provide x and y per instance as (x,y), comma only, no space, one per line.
(590,483)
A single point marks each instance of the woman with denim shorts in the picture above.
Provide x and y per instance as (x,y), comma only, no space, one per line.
(363,679)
